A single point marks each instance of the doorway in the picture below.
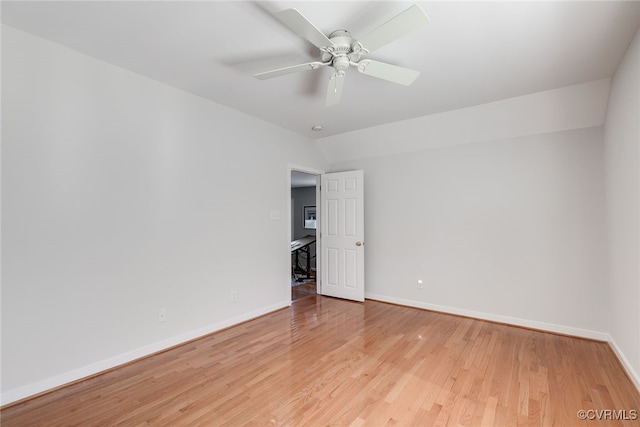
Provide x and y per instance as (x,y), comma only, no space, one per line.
(304,231)
(336,260)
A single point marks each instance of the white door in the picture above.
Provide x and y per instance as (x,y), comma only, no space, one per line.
(342,228)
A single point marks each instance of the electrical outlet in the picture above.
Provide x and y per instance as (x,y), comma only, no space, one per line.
(420,284)
(234,296)
(162,314)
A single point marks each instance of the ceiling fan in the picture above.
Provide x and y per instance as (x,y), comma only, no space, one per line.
(340,50)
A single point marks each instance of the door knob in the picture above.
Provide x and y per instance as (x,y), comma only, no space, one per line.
(359,243)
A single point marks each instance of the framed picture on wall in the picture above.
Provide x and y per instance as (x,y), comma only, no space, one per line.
(309,217)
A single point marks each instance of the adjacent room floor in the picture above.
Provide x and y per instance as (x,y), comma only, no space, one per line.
(301,290)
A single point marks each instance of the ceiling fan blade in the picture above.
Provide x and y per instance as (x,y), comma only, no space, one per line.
(334,91)
(303,27)
(395,28)
(392,73)
(289,70)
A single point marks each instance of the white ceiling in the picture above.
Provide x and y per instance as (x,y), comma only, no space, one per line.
(469,54)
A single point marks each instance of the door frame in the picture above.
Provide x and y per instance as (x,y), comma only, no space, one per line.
(317,173)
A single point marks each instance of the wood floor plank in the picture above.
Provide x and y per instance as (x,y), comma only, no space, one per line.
(326,361)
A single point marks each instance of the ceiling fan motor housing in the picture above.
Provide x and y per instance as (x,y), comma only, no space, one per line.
(342,50)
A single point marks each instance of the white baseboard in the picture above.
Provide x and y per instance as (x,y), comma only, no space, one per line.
(101,366)
(625,363)
(549,327)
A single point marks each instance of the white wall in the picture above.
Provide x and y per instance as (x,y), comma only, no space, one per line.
(622,161)
(122,195)
(509,230)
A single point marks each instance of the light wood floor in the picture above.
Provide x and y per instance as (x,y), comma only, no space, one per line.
(332,362)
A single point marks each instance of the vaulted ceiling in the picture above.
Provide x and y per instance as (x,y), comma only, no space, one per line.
(469,53)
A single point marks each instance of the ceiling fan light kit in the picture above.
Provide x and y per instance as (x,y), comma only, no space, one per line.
(341,51)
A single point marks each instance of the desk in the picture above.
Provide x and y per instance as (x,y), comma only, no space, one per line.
(303,245)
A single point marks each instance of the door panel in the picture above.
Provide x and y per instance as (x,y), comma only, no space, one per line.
(342,228)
